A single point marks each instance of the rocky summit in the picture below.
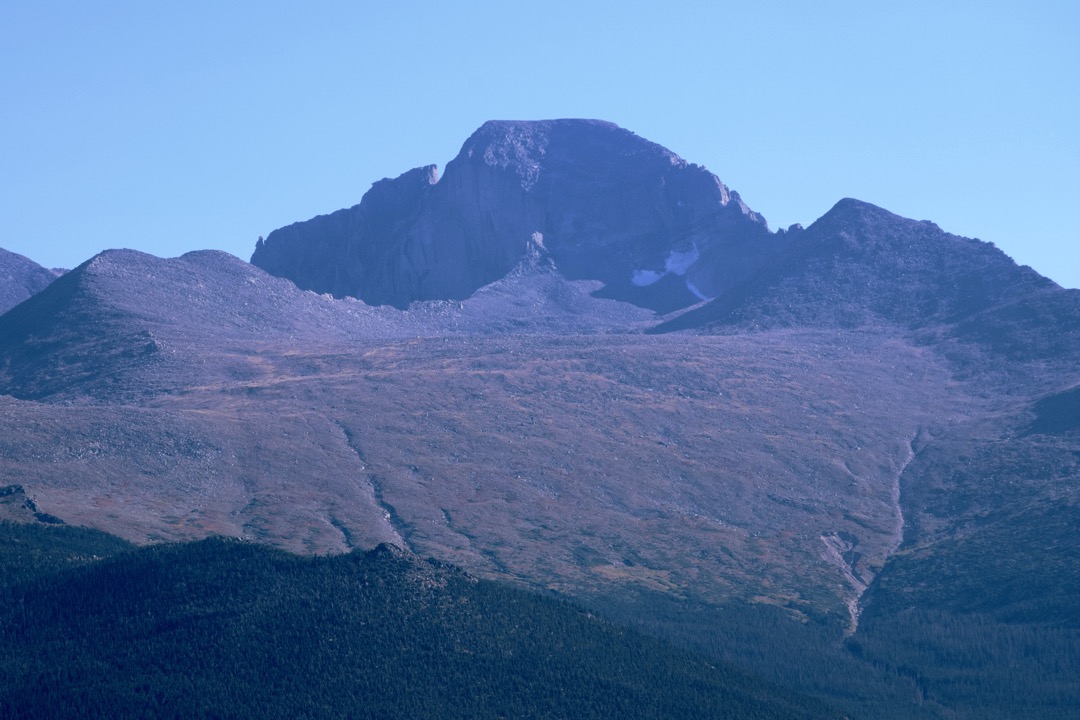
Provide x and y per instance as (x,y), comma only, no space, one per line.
(603,203)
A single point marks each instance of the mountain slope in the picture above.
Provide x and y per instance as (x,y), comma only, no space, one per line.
(859,263)
(20,278)
(204,396)
(126,322)
(984,588)
(860,266)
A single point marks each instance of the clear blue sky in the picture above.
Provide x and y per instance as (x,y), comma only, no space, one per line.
(174,126)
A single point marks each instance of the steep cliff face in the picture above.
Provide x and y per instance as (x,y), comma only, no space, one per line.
(603,203)
(353,248)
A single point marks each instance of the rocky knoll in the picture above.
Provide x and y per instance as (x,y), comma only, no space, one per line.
(20,278)
(605,204)
(127,324)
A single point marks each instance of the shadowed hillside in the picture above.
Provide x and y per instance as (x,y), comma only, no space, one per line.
(226,629)
(20,278)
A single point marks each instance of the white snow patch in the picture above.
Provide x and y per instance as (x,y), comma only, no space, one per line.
(677,263)
(697,293)
(644,278)
(680,262)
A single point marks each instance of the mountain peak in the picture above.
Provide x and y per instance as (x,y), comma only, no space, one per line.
(540,132)
(607,204)
(526,147)
(502,126)
(860,265)
(852,213)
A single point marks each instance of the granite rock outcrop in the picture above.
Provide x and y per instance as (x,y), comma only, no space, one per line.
(603,203)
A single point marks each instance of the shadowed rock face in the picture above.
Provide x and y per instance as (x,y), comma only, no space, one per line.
(603,203)
(20,278)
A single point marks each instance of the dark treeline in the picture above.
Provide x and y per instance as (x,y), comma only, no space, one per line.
(92,627)
(989,625)
(902,664)
(808,655)
(226,629)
